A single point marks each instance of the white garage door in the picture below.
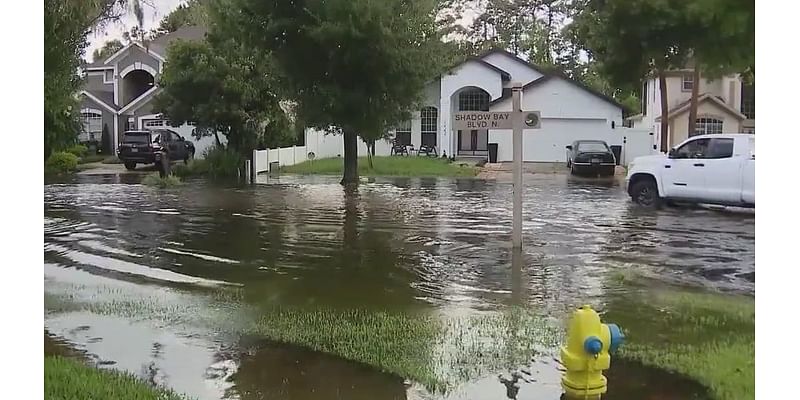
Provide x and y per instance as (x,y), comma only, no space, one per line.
(549,143)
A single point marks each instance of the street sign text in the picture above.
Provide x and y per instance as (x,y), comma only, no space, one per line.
(467,120)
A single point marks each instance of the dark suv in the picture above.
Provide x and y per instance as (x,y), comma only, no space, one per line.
(147,147)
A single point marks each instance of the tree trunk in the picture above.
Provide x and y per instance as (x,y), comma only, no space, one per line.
(350,158)
(693,102)
(662,83)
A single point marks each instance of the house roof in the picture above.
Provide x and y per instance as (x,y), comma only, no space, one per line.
(684,106)
(505,76)
(546,76)
(103,98)
(549,76)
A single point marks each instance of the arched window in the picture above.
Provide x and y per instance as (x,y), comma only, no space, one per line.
(473,100)
(707,124)
(429,120)
(92,121)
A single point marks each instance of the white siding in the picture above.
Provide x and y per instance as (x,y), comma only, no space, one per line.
(469,74)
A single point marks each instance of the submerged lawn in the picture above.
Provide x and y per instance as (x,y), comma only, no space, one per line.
(67,379)
(386,166)
(707,336)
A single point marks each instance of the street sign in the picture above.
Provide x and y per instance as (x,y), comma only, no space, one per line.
(469,120)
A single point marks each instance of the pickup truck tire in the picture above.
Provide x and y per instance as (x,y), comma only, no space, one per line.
(645,194)
(130,166)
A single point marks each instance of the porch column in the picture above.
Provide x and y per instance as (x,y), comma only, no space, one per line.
(445,140)
(416,129)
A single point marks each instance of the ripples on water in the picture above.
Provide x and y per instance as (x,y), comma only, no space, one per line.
(422,244)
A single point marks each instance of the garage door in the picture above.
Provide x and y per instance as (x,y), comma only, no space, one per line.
(548,144)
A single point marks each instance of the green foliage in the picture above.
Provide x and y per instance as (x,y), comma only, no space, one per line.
(221,163)
(371,59)
(92,158)
(222,87)
(109,48)
(165,182)
(66,24)
(66,379)
(385,166)
(61,162)
(191,13)
(78,150)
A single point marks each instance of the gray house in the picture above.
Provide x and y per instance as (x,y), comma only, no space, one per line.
(119,90)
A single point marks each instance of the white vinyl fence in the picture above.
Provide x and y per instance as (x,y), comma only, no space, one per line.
(318,143)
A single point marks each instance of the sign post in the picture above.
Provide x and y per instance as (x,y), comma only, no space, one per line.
(516,234)
(516,120)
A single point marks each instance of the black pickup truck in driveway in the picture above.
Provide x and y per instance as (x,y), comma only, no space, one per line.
(147,147)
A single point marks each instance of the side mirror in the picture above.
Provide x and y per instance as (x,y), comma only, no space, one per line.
(672,153)
(569,147)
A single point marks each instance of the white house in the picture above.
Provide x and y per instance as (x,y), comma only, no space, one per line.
(569,110)
(726,104)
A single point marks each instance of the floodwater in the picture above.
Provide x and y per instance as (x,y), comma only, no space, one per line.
(438,246)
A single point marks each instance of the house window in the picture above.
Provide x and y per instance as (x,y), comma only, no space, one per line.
(748,106)
(109,76)
(707,125)
(473,100)
(402,134)
(430,120)
(688,82)
(131,124)
(92,121)
(152,123)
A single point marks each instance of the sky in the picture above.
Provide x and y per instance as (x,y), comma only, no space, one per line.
(154,11)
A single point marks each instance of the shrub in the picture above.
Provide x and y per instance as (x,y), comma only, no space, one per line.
(155,180)
(78,150)
(61,162)
(223,162)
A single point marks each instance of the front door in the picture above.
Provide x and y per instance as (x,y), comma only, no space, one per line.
(473,142)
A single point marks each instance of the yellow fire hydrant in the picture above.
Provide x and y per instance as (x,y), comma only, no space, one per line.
(586,354)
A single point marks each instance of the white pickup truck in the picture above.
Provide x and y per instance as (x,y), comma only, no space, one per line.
(710,169)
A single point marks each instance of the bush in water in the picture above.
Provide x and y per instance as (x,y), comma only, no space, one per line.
(155,180)
(223,162)
(61,162)
(78,150)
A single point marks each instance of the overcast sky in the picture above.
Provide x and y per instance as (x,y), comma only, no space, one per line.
(153,13)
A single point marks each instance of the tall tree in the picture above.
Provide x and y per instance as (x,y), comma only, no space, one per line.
(355,66)
(630,39)
(725,43)
(191,13)
(109,48)
(224,88)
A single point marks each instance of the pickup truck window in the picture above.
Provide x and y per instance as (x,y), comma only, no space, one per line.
(720,148)
(697,148)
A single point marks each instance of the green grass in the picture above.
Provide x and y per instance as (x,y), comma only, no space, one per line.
(67,379)
(157,181)
(385,166)
(438,353)
(706,336)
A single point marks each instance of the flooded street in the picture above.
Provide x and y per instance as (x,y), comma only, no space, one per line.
(165,283)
